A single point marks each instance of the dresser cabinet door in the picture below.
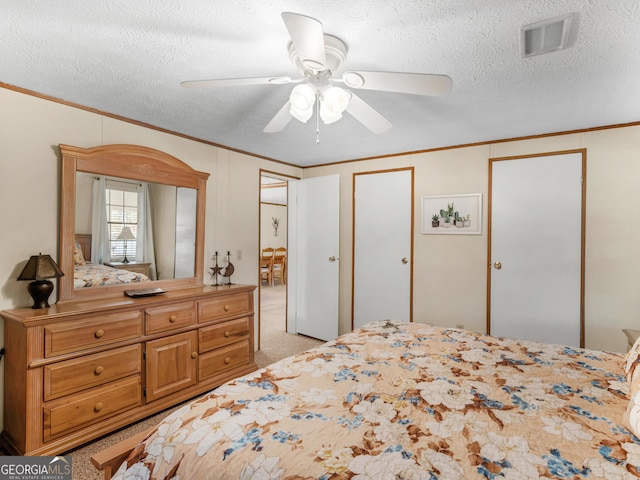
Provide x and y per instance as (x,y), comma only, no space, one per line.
(171,364)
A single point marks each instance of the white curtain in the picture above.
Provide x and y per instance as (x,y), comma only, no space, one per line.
(145,250)
(99,239)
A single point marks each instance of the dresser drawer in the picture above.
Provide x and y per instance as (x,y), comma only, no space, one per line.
(171,317)
(64,415)
(223,307)
(217,361)
(90,371)
(221,334)
(67,337)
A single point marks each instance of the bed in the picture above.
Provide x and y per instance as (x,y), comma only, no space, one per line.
(407,400)
(87,274)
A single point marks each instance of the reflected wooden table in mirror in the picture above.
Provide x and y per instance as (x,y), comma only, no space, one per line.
(137,267)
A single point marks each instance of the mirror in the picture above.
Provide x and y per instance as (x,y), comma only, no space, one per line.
(174,199)
(172,214)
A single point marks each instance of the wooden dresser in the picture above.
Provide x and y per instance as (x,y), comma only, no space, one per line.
(81,369)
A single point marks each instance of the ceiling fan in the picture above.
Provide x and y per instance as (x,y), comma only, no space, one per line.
(317,56)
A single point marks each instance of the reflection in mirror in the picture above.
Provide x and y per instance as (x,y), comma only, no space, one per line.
(129,215)
(185,232)
(162,219)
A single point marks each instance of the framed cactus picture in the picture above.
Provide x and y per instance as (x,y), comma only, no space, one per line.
(452,214)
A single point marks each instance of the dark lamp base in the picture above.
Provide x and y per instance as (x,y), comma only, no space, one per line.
(125,259)
(40,290)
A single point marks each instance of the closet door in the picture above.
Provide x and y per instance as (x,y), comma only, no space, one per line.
(382,246)
(536,248)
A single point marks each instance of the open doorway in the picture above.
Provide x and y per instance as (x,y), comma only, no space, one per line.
(272,295)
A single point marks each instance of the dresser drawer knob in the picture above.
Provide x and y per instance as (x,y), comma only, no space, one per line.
(99,369)
(227,308)
(194,354)
(227,333)
(227,360)
(173,318)
(99,333)
(98,407)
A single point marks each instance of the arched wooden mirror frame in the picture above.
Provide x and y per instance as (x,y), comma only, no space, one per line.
(132,162)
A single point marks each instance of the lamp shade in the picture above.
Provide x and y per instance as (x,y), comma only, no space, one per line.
(302,99)
(335,100)
(40,267)
(126,234)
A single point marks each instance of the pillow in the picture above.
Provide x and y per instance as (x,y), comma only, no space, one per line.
(631,361)
(632,415)
(632,370)
(78,257)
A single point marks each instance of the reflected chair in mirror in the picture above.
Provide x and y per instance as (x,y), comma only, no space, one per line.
(279,268)
(266,266)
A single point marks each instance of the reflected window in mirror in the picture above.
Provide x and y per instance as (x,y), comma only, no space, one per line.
(122,221)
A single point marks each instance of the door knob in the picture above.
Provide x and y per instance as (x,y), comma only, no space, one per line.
(405,260)
(497,265)
(332,258)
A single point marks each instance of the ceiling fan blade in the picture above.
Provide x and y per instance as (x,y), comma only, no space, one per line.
(231,82)
(280,120)
(414,83)
(366,115)
(307,37)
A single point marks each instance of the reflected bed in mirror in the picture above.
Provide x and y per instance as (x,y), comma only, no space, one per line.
(87,274)
(134,213)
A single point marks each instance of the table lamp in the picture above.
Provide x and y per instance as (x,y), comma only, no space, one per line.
(39,268)
(126,234)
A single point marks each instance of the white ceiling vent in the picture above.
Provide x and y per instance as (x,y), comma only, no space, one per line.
(547,36)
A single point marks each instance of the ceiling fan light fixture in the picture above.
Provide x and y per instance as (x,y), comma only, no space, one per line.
(333,101)
(302,99)
(301,115)
(335,98)
(327,115)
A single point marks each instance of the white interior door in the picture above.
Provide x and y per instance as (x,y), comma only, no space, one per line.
(382,265)
(536,248)
(313,270)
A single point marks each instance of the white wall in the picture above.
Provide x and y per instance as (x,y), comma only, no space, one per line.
(31,128)
(267,238)
(612,264)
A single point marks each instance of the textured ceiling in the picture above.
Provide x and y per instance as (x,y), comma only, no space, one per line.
(128,57)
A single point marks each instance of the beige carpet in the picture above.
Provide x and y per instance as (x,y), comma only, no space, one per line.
(275,344)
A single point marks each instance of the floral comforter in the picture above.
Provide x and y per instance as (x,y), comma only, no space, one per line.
(94,274)
(405,401)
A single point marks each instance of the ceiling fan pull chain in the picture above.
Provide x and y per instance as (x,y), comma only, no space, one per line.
(317,118)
